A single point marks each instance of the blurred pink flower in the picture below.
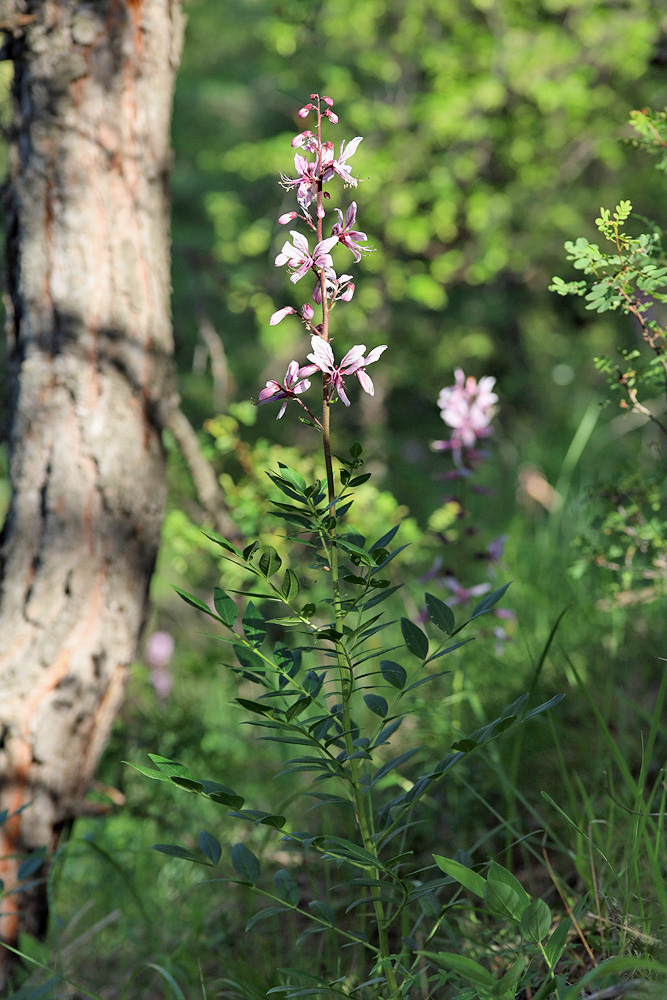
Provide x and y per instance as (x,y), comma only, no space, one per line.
(468,408)
(293,386)
(353,363)
(461,593)
(157,654)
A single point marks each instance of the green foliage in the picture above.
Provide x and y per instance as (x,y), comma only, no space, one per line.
(627,537)
(341,716)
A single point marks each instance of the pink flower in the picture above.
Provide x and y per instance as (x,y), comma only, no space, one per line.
(339,166)
(298,256)
(280,315)
(293,386)
(306,183)
(348,236)
(461,593)
(306,140)
(468,408)
(287,217)
(353,363)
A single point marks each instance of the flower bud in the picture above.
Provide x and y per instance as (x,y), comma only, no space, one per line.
(327,100)
(307,311)
(301,139)
(313,97)
(320,212)
(303,112)
(287,217)
(332,116)
(280,315)
(348,293)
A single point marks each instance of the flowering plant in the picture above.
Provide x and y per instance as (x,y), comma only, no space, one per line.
(338,716)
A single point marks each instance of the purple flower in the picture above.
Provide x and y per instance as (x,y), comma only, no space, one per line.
(353,363)
(468,408)
(298,257)
(293,386)
(339,166)
(348,236)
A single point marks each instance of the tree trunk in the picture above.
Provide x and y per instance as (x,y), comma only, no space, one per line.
(89,354)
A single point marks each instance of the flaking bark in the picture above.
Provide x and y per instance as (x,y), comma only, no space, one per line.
(89,354)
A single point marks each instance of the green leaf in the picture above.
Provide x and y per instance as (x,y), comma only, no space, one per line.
(221,794)
(415,640)
(497,873)
(30,865)
(489,601)
(502,901)
(171,767)
(250,550)
(149,772)
(287,887)
(393,673)
(219,540)
(293,477)
(258,816)
(210,847)
(507,985)
(269,562)
(297,708)
(323,911)
(255,706)
(555,946)
(290,585)
(269,911)
(441,616)
(464,876)
(254,625)
(178,852)
(377,704)
(245,863)
(463,966)
(341,848)
(536,921)
(225,606)
(248,658)
(356,450)
(465,746)
(195,602)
